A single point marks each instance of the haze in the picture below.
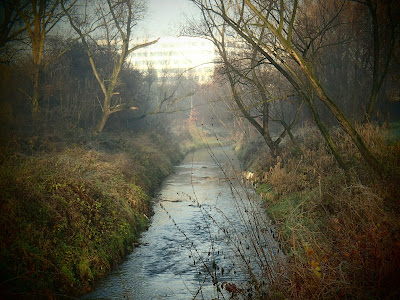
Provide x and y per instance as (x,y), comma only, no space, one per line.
(256,157)
(165,17)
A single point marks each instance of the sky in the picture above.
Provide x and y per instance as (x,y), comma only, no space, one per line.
(164,17)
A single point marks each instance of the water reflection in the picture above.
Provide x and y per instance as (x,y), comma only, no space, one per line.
(206,230)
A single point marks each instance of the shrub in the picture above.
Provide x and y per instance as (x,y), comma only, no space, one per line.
(341,238)
(67,216)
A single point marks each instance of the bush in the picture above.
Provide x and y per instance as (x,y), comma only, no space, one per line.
(341,238)
(67,216)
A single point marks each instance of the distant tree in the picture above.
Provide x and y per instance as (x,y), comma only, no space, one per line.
(245,77)
(39,18)
(109,29)
(247,18)
(167,96)
(385,22)
(71,89)
(12,26)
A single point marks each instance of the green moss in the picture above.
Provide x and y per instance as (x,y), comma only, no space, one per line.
(84,271)
(68,275)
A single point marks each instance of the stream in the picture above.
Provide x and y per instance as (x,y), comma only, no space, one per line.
(208,230)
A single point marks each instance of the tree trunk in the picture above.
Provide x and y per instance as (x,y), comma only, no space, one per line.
(325,133)
(310,76)
(36,92)
(37,37)
(103,122)
(375,75)
(271,145)
(289,132)
(346,125)
(35,98)
(105,111)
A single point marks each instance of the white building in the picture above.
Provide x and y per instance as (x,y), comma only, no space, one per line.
(175,56)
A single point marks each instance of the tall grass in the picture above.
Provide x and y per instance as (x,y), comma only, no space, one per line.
(68,215)
(341,238)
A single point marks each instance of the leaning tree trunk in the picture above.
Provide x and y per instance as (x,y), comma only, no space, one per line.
(310,76)
(345,124)
(325,133)
(103,121)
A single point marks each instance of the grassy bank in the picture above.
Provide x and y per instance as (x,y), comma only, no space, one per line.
(341,238)
(198,136)
(71,210)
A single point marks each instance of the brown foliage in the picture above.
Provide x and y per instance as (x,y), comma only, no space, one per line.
(341,238)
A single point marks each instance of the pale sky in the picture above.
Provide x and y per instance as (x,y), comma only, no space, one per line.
(164,17)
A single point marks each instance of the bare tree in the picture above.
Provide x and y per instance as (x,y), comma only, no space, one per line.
(278,18)
(384,25)
(12,26)
(247,73)
(39,18)
(112,30)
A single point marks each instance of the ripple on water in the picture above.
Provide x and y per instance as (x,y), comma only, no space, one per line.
(173,260)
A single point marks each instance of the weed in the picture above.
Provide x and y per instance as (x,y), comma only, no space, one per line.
(68,216)
(341,238)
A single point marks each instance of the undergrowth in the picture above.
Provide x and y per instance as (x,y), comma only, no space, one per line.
(341,238)
(198,136)
(68,215)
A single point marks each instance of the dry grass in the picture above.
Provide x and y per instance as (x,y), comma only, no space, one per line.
(67,216)
(342,238)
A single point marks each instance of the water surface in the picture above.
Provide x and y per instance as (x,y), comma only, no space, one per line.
(208,228)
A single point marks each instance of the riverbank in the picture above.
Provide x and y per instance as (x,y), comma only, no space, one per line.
(182,247)
(341,238)
(73,208)
(195,136)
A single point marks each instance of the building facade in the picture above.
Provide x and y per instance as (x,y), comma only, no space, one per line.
(191,57)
